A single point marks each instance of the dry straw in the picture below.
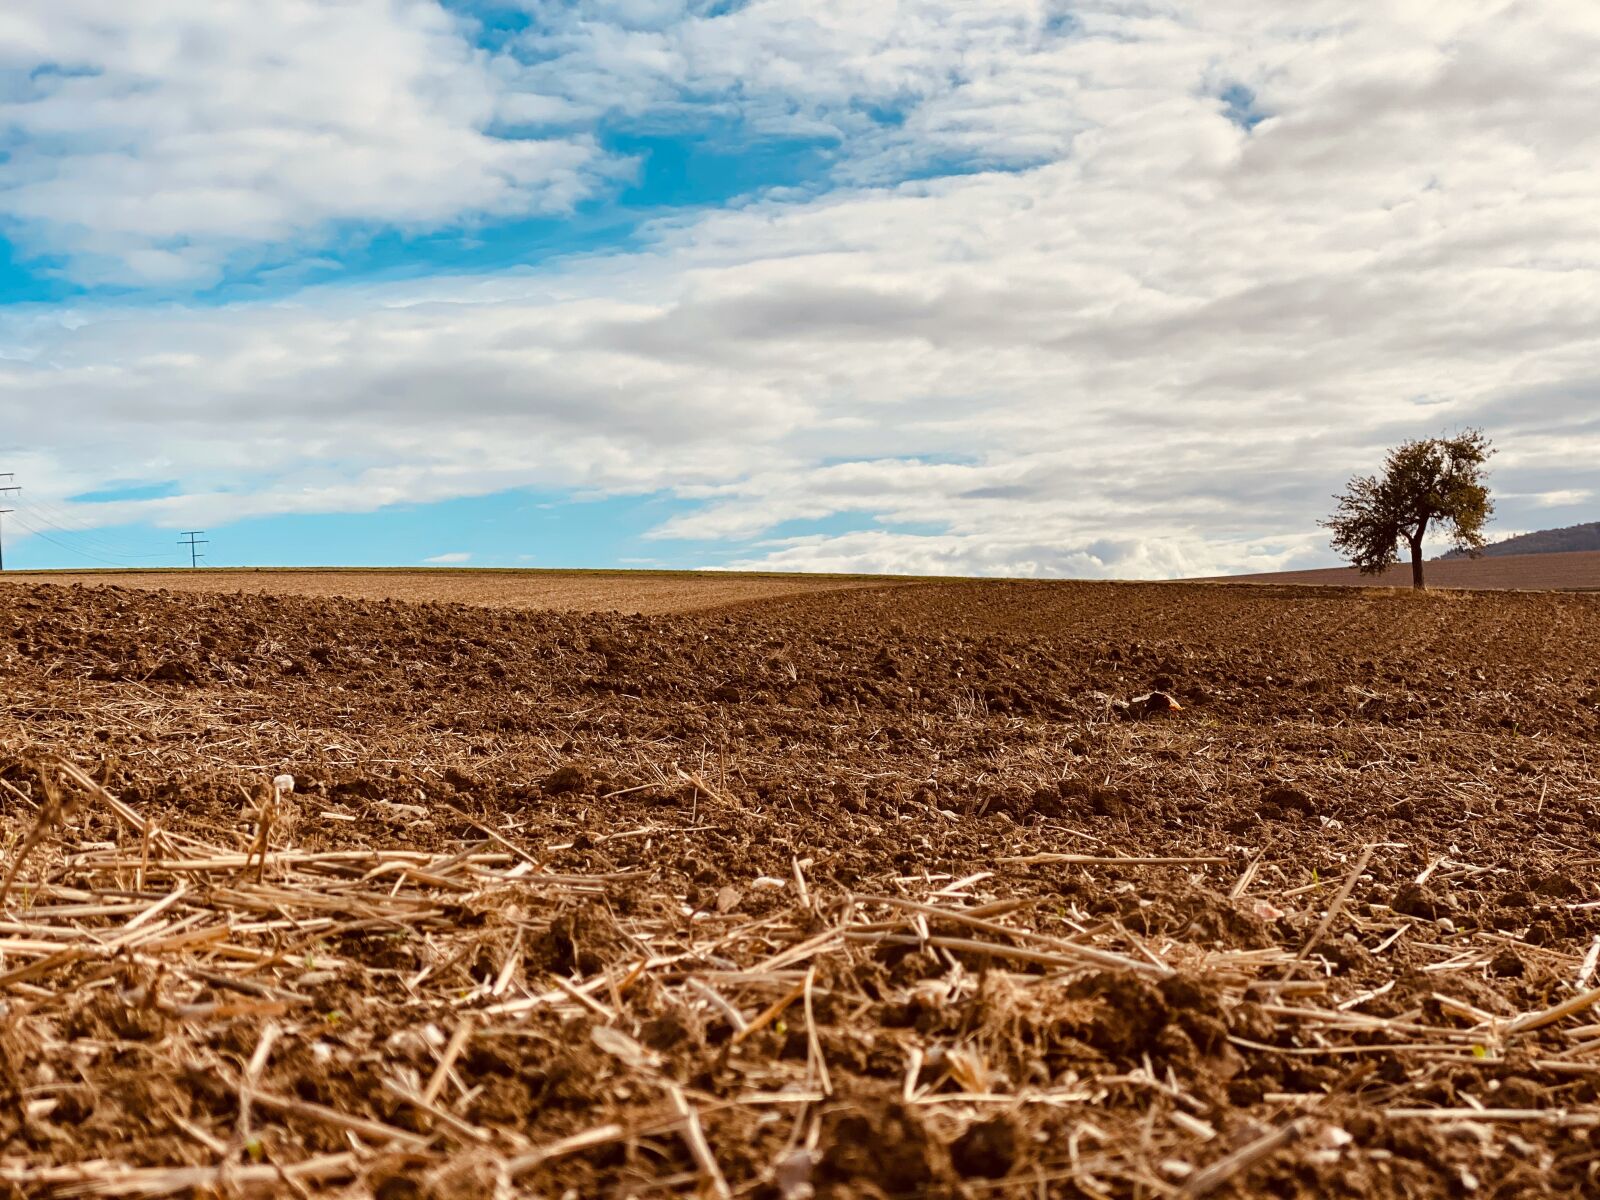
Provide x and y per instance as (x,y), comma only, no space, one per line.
(200,931)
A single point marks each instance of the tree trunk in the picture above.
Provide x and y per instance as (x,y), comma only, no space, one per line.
(1416,564)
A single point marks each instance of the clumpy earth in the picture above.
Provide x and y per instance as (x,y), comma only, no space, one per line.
(535,588)
(911,891)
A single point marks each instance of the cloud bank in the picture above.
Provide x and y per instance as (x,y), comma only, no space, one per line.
(157,142)
(1116,290)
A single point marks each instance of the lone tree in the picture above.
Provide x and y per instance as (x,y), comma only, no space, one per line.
(1435,479)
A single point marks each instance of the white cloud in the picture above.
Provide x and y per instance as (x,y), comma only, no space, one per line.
(1561,497)
(1029,554)
(154,142)
(1155,353)
(900,85)
(454,557)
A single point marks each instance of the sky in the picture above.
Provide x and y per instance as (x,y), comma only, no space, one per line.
(979,287)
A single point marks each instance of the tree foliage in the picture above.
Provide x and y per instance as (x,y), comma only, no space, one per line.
(1423,482)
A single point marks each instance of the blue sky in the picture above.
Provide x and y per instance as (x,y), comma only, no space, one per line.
(980,286)
(522,528)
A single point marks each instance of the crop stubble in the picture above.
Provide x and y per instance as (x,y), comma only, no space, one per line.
(872,893)
(563,591)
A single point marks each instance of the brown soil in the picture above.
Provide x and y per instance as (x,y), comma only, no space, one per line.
(1575,571)
(563,591)
(835,895)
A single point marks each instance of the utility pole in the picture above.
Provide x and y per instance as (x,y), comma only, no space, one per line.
(4,491)
(195,555)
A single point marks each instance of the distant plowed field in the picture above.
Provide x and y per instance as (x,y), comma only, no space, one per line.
(563,591)
(889,892)
(1528,572)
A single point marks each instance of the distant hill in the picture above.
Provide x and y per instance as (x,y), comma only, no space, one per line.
(1578,571)
(1546,541)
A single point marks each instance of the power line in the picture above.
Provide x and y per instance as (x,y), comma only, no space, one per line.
(195,555)
(97,544)
(41,535)
(61,514)
(7,490)
(66,517)
(33,513)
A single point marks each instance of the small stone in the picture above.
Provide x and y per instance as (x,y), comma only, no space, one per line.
(793,1176)
(1332,1137)
(407,814)
(1265,910)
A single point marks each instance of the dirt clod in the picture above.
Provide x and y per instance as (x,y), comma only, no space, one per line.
(1420,900)
(1507,964)
(565,779)
(988,1149)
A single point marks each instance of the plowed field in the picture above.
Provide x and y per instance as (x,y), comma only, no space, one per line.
(564,591)
(1575,571)
(891,892)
